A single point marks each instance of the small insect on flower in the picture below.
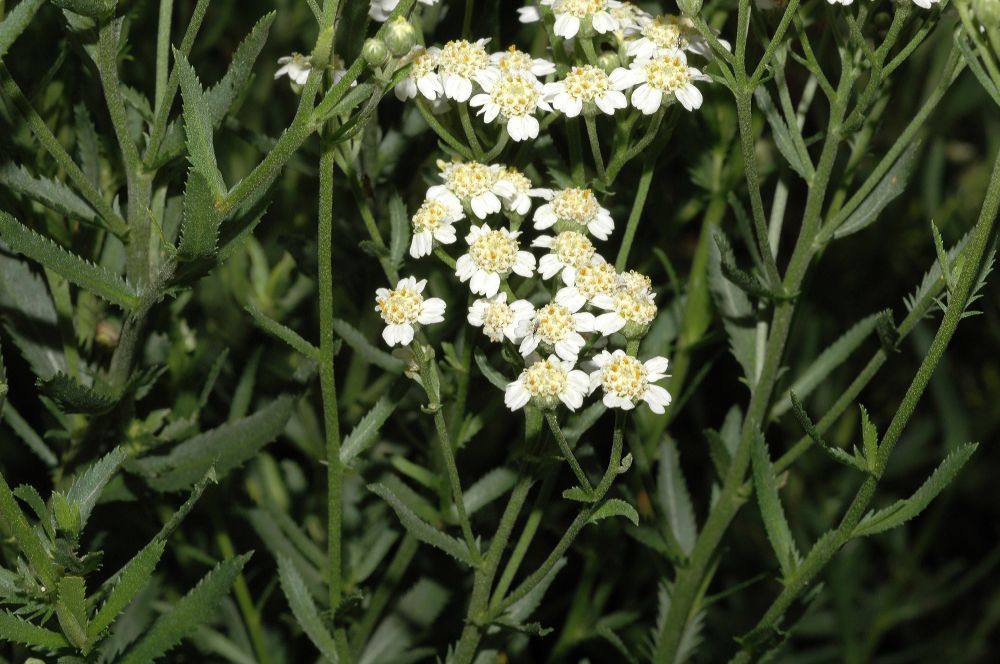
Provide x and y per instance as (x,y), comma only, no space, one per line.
(514,60)
(576,209)
(500,320)
(569,251)
(662,80)
(587,89)
(404,307)
(492,256)
(519,201)
(380,10)
(557,327)
(662,35)
(296,67)
(476,185)
(574,16)
(423,78)
(434,221)
(546,383)
(630,307)
(459,63)
(627,381)
(587,282)
(513,97)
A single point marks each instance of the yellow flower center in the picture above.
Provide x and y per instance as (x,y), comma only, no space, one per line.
(635,307)
(579,8)
(515,60)
(424,63)
(462,58)
(665,32)
(579,205)
(667,73)
(553,323)
(497,317)
(635,282)
(587,83)
(516,94)
(593,280)
(573,249)
(400,306)
(520,181)
(495,251)
(430,216)
(625,376)
(545,378)
(469,180)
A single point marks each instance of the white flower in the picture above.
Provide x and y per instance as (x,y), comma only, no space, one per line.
(663,79)
(478,186)
(627,381)
(459,63)
(569,251)
(435,221)
(493,254)
(523,190)
(557,327)
(662,35)
(578,208)
(380,10)
(528,14)
(514,97)
(499,319)
(925,4)
(587,282)
(422,77)
(630,304)
(546,383)
(403,307)
(630,18)
(588,85)
(571,15)
(296,66)
(514,60)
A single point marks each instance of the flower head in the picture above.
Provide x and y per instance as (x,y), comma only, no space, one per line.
(547,382)
(576,209)
(586,88)
(626,381)
(423,76)
(514,97)
(521,190)
(476,185)
(492,255)
(630,18)
(557,327)
(663,79)
(569,251)
(514,60)
(435,220)
(662,35)
(630,307)
(598,277)
(500,320)
(296,67)
(403,307)
(459,63)
(573,15)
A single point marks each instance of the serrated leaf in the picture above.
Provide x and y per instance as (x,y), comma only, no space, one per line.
(198,126)
(191,612)
(71,610)
(87,145)
(25,537)
(933,275)
(903,510)
(224,448)
(422,530)
(73,397)
(131,580)
(90,8)
(486,489)
(89,484)
(282,332)
(522,609)
(220,98)
(53,194)
(737,316)
(835,452)
(18,630)
(889,187)
(831,358)
(359,342)
(30,317)
(674,499)
(615,507)
(399,238)
(304,609)
(200,219)
(96,279)
(24,431)
(495,377)
(766,489)
(17,19)
(366,431)
(29,495)
(783,139)
(869,437)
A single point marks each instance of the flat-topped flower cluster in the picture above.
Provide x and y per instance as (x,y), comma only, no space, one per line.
(571,301)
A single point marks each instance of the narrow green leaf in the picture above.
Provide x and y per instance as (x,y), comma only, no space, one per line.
(29,316)
(486,489)
(130,581)
(721,459)
(282,332)
(220,98)
(615,507)
(71,610)
(18,630)
(675,501)
(889,187)
(522,609)
(420,529)
(89,484)
(191,612)
(579,494)
(73,397)
(201,219)
(495,377)
(266,527)
(15,22)
(198,126)
(903,510)
(399,224)
(942,257)
(87,145)
(738,317)
(25,537)
(30,496)
(835,453)
(28,435)
(304,609)
(766,488)
(96,279)
(869,436)
(363,347)
(366,431)
(781,133)
(53,194)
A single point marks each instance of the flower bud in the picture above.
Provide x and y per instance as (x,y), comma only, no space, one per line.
(987,12)
(689,7)
(107,333)
(609,61)
(400,36)
(375,52)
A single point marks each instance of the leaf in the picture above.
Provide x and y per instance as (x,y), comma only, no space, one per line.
(87,487)
(201,220)
(522,609)
(366,431)
(219,99)
(869,436)
(53,194)
(282,332)
(15,22)
(25,537)
(96,279)
(838,454)
(73,397)
(71,610)
(737,316)
(87,145)
(198,126)
(224,448)
(399,224)
(304,609)
(91,8)
(191,612)
(489,372)
(903,510)
(28,435)
(933,275)
(486,489)
(831,358)
(889,187)
(579,494)
(783,139)
(30,317)
(766,488)
(675,501)
(422,530)
(359,342)
(131,580)
(615,507)
(19,630)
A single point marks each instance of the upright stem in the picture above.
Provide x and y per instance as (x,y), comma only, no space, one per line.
(162,53)
(595,144)
(638,203)
(564,447)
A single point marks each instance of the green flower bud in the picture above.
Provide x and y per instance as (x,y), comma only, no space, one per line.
(92,8)
(375,52)
(987,12)
(689,7)
(400,37)
(609,61)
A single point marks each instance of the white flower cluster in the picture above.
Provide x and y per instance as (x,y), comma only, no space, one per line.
(579,300)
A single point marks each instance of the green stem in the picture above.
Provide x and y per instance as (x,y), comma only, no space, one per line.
(470,131)
(442,131)
(774,43)
(638,203)
(498,148)
(382,595)
(162,53)
(567,451)
(595,144)
(523,542)
(619,159)
(251,617)
(576,165)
